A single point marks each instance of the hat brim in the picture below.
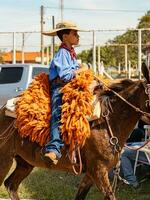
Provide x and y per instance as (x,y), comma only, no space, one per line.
(54,31)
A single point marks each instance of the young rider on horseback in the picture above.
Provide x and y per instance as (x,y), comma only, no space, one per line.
(63,68)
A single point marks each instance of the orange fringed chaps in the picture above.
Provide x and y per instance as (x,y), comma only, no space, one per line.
(77,104)
(33,111)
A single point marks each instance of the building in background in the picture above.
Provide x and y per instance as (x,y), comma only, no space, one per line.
(29,57)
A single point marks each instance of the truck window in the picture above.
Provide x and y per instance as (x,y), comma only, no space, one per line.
(38,70)
(10,74)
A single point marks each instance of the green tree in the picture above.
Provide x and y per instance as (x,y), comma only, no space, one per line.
(144,21)
(113,55)
(85,56)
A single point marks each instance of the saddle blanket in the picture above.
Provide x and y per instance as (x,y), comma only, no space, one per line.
(11,105)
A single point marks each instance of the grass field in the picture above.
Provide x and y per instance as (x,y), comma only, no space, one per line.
(49,185)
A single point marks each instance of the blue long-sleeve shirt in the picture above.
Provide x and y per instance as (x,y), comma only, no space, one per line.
(63,66)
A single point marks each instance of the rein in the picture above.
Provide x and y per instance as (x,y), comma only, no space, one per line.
(131,105)
(1,109)
(114,140)
(73,157)
(10,130)
(138,148)
(147,91)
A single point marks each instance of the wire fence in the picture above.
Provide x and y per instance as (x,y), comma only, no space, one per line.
(91,39)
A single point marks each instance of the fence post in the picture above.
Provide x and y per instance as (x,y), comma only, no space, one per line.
(99,59)
(129,70)
(94,53)
(23,36)
(126,58)
(14,48)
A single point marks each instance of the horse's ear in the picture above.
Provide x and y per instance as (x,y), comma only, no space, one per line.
(145,72)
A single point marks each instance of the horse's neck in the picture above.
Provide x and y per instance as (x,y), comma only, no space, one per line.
(124,118)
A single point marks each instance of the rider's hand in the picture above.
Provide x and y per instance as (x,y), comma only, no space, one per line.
(82,69)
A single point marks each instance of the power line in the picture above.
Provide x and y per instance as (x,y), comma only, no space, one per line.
(18,32)
(98,9)
(96,30)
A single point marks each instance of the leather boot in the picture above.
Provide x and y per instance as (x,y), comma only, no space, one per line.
(52,156)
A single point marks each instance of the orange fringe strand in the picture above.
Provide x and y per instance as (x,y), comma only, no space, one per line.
(77,104)
(33,111)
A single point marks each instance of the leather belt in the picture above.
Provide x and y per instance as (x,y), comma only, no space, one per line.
(57,80)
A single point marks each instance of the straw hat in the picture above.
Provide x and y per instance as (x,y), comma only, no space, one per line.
(62,26)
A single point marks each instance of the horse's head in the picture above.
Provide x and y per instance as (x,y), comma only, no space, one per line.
(135,94)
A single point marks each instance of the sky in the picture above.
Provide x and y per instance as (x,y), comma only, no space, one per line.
(24,16)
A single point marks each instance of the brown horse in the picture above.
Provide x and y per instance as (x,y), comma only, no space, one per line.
(98,155)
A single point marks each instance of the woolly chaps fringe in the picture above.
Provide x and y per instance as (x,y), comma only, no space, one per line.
(33,110)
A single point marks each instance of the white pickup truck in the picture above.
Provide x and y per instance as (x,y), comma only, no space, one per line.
(14,78)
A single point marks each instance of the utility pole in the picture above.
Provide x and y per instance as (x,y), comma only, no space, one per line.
(126,58)
(42,37)
(53,39)
(139,52)
(61,9)
(99,59)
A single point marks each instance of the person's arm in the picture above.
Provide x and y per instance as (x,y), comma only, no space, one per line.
(66,68)
(64,65)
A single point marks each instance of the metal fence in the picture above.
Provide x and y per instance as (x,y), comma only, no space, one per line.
(31,41)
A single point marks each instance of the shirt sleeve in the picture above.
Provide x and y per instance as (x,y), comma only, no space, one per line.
(66,67)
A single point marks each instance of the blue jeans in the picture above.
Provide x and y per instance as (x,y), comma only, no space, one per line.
(127,160)
(55,144)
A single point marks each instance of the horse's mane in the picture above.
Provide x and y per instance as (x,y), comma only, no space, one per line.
(115,86)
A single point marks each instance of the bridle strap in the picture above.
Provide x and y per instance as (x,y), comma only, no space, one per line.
(113,139)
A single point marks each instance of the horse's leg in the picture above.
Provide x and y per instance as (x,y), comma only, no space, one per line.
(5,165)
(84,187)
(21,171)
(100,178)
